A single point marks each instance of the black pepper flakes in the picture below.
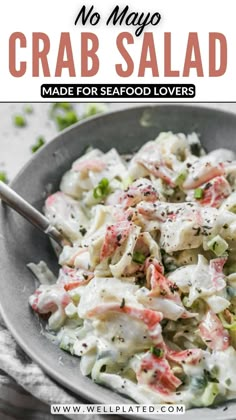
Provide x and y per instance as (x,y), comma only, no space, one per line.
(122,303)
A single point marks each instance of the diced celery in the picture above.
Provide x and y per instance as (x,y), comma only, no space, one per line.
(67,343)
(126,182)
(71,310)
(209,394)
(232,208)
(186,302)
(226,325)
(75,295)
(218,245)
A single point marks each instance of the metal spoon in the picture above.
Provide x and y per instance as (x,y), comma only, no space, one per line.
(21,206)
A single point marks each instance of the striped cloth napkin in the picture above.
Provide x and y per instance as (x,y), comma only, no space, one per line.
(26,392)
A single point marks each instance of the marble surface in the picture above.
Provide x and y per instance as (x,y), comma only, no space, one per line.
(16,142)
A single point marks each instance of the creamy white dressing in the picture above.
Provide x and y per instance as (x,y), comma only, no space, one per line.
(150,272)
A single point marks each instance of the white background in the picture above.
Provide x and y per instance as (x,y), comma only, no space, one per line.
(178,17)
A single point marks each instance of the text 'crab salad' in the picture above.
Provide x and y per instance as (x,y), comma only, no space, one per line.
(146,295)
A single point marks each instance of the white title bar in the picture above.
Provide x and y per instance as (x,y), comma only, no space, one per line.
(177,49)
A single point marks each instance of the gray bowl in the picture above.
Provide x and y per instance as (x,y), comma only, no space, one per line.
(20,243)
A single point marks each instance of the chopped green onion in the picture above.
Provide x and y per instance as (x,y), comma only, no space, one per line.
(3,177)
(28,109)
(65,106)
(39,143)
(64,115)
(66,120)
(138,257)
(218,245)
(198,193)
(93,109)
(102,189)
(181,178)
(156,351)
(19,121)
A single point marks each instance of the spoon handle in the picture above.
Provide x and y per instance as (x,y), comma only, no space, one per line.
(21,206)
